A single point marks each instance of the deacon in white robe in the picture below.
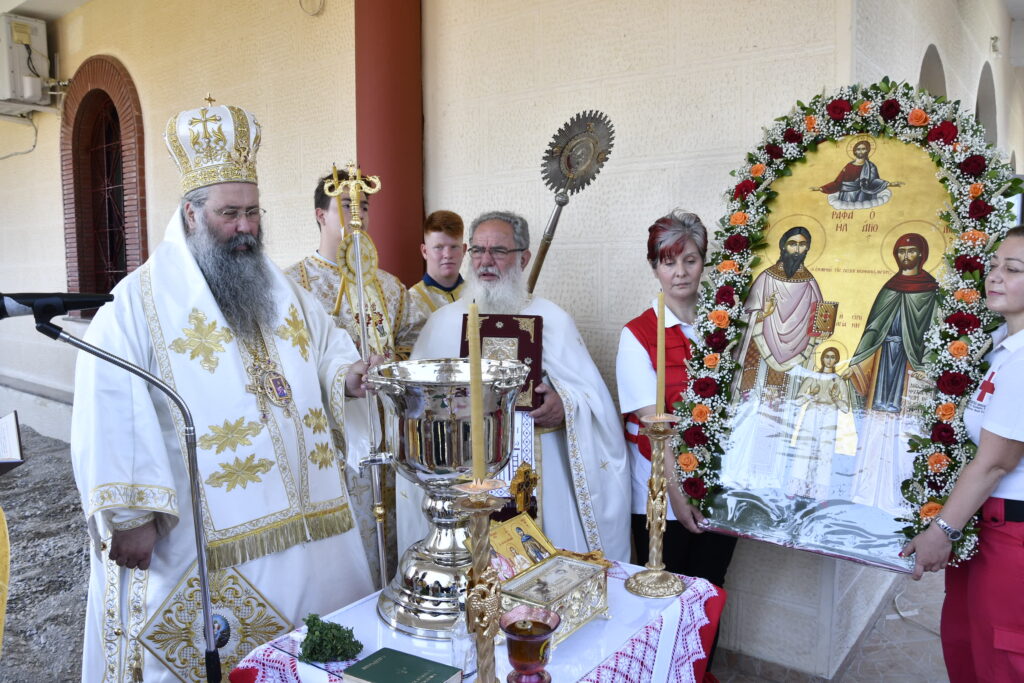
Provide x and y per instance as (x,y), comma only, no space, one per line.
(394,324)
(265,374)
(584,491)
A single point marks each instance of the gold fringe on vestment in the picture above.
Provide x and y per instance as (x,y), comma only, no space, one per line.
(313,526)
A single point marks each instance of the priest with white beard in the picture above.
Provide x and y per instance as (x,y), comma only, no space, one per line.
(584,490)
(265,373)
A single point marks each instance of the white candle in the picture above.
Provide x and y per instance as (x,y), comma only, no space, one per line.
(476,395)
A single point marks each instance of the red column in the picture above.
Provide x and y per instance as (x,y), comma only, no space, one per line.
(389,127)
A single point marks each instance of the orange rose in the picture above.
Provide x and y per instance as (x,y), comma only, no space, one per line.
(719,317)
(938,462)
(711,360)
(757,170)
(700,413)
(738,218)
(810,123)
(930,510)
(957,349)
(967,295)
(975,190)
(864,108)
(728,266)
(975,237)
(687,461)
(945,411)
(917,117)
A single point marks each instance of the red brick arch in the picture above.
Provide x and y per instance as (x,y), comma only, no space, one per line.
(98,78)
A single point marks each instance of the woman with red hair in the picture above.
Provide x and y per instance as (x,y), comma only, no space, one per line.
(676,247)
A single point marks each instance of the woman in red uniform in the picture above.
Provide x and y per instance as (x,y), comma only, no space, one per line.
(983,614)
(676,246)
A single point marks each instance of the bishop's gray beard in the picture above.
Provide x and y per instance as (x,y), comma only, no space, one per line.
(506,296)
(791,262)
(240,281)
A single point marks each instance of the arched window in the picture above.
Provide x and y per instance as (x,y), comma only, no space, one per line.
(104,188)
(985,105)
(933,76)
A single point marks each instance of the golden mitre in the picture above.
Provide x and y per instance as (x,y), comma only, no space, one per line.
(213,144)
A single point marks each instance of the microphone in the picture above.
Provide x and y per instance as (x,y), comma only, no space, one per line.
(45,306)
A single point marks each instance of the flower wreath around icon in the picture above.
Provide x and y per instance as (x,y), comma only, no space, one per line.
(979,184)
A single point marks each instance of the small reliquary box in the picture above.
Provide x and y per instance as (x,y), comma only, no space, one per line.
(576,589)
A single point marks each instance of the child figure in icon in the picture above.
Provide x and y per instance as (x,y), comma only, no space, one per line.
(823,427)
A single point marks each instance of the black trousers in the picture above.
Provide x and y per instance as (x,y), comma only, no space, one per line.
(705,555)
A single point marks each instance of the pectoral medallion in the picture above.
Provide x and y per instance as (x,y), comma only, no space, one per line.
(268,383)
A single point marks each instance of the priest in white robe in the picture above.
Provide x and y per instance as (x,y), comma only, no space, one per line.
(584,490)
(265,373)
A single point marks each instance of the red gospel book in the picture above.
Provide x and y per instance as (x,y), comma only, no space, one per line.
(512,337)
(823,319)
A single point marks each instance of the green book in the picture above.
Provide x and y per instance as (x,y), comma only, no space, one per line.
(391,666)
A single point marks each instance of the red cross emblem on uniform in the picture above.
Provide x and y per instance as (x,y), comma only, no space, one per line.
(987,387)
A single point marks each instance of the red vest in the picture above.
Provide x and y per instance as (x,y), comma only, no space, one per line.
(677,350)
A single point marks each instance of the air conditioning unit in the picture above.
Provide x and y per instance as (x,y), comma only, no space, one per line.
(24,61)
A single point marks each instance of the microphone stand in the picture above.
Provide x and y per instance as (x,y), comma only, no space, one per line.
(43,324)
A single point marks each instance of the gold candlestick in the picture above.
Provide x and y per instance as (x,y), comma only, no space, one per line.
(655,582)
(483,599)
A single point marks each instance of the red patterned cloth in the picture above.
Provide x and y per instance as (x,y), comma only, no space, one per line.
(671,646)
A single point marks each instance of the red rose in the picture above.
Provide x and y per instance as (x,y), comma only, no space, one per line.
(773,151)
(694,487)
(945,132)
(838,109)
(953,383)
(943,433)
(792,135)
(968,264)
(694,436)
(736,243)
(705,387)
(965,323)
(973,165)
(979,209)
(716,341)
(744,188)
(889,110)
(725,296)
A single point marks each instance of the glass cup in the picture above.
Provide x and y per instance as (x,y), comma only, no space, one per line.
(528,632)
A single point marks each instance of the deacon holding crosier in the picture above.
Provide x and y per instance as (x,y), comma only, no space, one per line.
(265,373)
(393,323)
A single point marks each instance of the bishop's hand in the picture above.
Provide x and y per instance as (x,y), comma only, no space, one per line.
(355,380)
(133,548)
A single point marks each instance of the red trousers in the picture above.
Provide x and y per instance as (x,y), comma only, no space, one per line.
(983,614)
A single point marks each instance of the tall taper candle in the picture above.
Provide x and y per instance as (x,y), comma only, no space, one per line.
(476,396)
(660,405)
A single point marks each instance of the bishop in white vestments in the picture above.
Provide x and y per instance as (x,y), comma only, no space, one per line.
(584,491)
(265,373)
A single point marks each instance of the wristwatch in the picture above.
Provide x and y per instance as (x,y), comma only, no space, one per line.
(952,534)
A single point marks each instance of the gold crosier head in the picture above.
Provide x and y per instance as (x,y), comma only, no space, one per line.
(356,185)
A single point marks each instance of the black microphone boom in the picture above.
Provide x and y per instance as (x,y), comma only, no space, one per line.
(45,306)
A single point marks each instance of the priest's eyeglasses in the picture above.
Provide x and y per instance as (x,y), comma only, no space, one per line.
(496,253)
(251,215)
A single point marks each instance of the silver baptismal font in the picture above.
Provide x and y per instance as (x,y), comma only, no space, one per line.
(428,433)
